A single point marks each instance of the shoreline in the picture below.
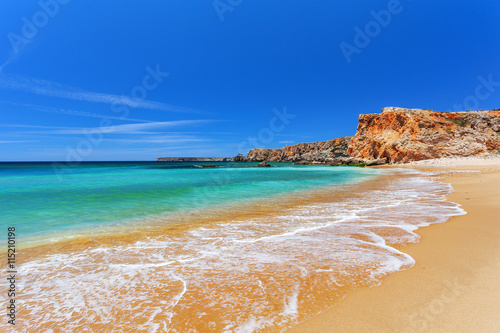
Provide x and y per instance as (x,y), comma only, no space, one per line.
(263,264)
(358,311)
(138,229)
(454,285)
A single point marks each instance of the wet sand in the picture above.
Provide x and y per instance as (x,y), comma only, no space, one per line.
(455,283)
(266,267)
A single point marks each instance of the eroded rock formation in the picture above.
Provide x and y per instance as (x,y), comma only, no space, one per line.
(324,152)
(397,135)
(195,159)
(403,135)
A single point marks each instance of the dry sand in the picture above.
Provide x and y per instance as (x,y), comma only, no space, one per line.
(455,283)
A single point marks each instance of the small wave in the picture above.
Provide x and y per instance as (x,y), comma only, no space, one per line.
(239,276)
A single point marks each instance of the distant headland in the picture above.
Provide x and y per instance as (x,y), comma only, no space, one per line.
(195,159)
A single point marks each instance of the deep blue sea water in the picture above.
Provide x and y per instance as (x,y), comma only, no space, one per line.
(44,198)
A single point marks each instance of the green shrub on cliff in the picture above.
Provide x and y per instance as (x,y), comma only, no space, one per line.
(461,123)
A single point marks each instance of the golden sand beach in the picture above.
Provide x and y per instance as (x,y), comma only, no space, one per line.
(454,285)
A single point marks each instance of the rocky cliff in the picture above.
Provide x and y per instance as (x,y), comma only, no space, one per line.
(324,152)
(194,159)
(403,135)
(397,135)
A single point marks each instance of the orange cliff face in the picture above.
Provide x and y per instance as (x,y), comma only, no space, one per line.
(404,135)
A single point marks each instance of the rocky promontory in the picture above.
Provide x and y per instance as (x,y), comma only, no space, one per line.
(194,159)
(404,135)
(333,152)
(397,135)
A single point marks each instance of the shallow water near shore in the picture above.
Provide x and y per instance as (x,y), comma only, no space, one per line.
(48,202)
(244,266)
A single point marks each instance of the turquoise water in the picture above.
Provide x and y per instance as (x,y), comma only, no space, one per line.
(39,199)
(246,274)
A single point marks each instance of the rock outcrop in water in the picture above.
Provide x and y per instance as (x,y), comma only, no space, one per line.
(397,135)
(404,135)
(264,164)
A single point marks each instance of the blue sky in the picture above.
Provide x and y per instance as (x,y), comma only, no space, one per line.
(130,80)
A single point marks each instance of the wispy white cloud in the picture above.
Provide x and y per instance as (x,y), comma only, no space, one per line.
(54,89)
(130,150)
(31,126)
(16,52)
(18,141)
(137,128)
(163,139)
(72,112)
(7,62)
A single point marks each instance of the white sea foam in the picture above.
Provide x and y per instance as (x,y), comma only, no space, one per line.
(248,274)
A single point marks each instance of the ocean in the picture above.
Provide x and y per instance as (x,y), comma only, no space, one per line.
(175,247)
(44,202)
